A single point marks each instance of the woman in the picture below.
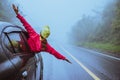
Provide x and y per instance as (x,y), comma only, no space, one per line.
(37,42)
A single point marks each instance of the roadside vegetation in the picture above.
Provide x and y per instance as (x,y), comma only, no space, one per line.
(101,32)
(104,47)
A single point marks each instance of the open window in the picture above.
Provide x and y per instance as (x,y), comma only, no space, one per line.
(16,42)
(14,39)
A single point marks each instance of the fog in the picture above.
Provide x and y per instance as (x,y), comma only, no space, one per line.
(60,15)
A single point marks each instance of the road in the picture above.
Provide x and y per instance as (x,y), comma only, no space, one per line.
(86,65)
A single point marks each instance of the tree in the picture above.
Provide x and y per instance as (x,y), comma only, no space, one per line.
(98,30)
(84,30)
(116,22)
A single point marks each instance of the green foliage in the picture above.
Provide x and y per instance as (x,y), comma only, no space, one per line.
(103,46)
(104,34)
(110,25)
(84,29)
(116,22)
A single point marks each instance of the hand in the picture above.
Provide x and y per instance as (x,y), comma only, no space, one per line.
(68,61)
(15,8)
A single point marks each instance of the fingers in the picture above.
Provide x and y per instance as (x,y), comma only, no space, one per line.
(68,61)
(15,8)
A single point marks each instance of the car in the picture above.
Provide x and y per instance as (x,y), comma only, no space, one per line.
(15,63)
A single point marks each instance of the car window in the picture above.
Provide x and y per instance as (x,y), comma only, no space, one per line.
(16,42)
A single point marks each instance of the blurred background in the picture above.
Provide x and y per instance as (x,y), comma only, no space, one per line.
(88,23)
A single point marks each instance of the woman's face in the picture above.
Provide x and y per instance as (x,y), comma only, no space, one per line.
(45,34)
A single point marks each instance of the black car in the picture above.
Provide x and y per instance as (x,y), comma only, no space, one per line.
(17,64)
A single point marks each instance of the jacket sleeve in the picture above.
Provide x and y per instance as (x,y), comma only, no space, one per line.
(27,26)
(52,51)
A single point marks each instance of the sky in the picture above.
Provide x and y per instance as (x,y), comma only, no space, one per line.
(60,15)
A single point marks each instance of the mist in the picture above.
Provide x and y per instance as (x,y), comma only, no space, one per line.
(69,21)
(6,12)
(95,28)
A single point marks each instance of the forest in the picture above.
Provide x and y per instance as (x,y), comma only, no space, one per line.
(100,32)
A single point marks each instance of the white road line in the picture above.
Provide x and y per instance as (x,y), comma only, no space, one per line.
(85,68)
(112,57)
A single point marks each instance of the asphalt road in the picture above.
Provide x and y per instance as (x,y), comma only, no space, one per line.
(86,65)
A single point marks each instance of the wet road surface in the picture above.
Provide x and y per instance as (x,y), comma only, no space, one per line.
(86,65)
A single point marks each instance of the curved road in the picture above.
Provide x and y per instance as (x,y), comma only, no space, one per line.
(86,65)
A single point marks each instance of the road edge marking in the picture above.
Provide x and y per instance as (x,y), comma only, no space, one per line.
(85,68)
(106,55)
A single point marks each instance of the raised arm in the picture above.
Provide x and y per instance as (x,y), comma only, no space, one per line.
(27,26)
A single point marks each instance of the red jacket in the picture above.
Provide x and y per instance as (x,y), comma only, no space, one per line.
(34,41)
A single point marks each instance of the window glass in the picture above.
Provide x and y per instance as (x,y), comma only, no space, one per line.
(15,42)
